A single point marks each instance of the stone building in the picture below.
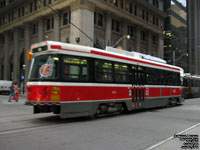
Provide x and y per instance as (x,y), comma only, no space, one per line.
(175,34)
(97,23)
(194,36)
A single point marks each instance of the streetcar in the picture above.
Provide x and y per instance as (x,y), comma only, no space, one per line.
(75,81)
(191,85)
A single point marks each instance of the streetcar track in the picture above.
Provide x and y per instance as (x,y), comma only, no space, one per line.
(24,129)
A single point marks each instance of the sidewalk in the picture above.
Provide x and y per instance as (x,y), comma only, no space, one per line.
(185,140)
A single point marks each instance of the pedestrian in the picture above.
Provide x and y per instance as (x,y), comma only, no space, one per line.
(16,88)
(12,92)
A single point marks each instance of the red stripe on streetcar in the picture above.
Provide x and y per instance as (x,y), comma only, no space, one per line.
(130,59)
(60,48)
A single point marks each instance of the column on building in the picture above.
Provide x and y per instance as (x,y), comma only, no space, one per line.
(1,58)
(6,59)
(137,39)
(16,65)
(149,42)
(40,29)
(82,22)
(57,21)
(108,29)
(27,47)
(160,44)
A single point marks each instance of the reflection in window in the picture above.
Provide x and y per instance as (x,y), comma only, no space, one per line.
(104,71)
(75,68)
(121,73)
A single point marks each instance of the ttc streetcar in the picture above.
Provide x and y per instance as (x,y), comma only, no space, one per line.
(191,85)
(74,81)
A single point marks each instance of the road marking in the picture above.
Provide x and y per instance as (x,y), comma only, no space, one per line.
(172,137)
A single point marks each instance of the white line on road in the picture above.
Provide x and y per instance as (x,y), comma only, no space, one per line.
(172,137)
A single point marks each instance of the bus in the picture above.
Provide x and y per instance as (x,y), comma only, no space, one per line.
(75,81)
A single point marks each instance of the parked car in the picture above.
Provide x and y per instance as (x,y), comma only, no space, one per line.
(4,86)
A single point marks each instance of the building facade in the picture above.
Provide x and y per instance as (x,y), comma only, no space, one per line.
(97,23)
(175,33)
(194,36)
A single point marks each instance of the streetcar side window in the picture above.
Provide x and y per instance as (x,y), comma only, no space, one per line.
(74,68)
(121,73)
(103,71)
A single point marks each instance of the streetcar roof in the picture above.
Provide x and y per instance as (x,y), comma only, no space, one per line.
(124,57)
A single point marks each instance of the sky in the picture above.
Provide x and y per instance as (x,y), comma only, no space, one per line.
(183,2)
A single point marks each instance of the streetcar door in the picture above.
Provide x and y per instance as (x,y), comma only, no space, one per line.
(138,81)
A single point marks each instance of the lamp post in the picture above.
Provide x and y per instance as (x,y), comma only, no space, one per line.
(174,57)
(125,36)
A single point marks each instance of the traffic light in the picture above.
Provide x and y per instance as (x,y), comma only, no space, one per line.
(29,55)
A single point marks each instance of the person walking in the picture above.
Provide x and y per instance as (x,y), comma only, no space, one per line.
(16,89)
(12,92)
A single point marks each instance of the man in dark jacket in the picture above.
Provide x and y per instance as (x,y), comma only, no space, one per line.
(12,92)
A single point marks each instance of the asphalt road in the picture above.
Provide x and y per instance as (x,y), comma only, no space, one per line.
(22,130)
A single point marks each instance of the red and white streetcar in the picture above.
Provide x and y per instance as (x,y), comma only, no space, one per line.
(73,80)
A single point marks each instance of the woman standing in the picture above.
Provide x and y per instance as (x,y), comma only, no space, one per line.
(12,92)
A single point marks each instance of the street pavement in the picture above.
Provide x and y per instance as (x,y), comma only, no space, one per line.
(187,139)
(172,128)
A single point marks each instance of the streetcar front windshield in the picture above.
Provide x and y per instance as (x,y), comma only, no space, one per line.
(44,67)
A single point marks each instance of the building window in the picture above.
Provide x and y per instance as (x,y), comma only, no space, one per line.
(135,11)
(147,16)
(143,36)
(156,3)
(131,31)
(35,29)
(66,18)
(21,33)
(154,40)
(49,24)
(19,13)
(2,39)
(11,37)
(115,2)
(143,14)
(130,8)
(98,19)
(122,4)
(22,11)
(116,25)
(35,5)
(154,20)
(44,3)
(2,3)
(31,7)
(8,17)
(50,1)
